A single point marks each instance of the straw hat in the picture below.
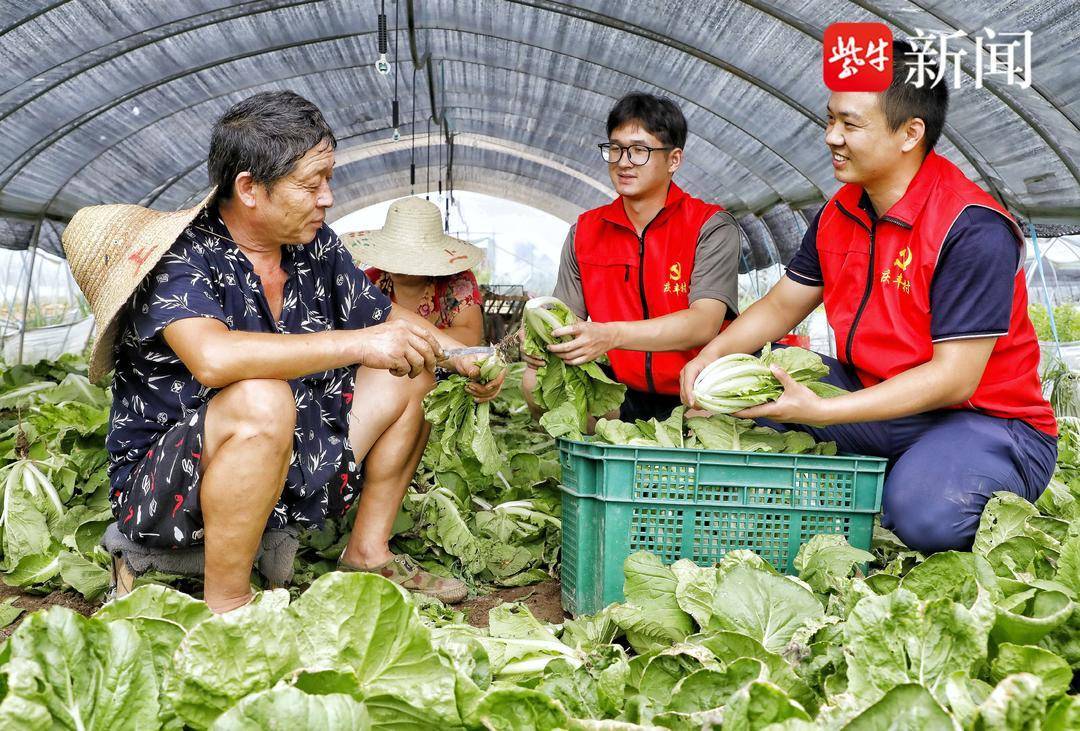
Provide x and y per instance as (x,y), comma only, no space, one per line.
(412,242)
(110,249)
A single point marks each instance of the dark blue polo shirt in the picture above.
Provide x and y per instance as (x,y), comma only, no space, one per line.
(972,290)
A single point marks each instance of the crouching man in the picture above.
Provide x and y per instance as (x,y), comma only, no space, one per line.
(921,274)
(260,378)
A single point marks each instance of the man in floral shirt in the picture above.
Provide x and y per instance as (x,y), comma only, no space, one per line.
(237,401)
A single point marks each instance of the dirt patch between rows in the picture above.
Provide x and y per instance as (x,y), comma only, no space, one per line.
(33,602)
(544,600)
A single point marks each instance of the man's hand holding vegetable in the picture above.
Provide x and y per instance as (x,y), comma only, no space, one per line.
(948,378)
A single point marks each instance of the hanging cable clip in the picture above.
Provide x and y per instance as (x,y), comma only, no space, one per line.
(382,65)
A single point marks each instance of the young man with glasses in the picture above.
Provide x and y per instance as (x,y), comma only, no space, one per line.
(654,274)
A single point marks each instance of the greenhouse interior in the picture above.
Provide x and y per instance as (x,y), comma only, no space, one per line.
(529,364)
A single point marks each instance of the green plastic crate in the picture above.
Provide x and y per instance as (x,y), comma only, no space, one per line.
(698,504)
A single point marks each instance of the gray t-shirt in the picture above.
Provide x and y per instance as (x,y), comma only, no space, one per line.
(715,274)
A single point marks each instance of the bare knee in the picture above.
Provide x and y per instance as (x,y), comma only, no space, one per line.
(258,408)
(379,391)
(528,387)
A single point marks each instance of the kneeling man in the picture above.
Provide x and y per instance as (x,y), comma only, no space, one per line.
(921,274)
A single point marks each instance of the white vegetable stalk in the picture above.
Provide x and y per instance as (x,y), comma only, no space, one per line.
(546,651)
(525,509)
(734,382)
(534,665)
(44,484)
(540,319)
(25,475)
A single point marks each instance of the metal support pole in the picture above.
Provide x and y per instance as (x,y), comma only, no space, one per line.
(1046,292)
(29,284)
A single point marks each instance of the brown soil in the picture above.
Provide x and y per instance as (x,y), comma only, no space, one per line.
(543,600)
(31,603)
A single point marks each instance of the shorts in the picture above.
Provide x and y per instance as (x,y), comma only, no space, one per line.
(158,505)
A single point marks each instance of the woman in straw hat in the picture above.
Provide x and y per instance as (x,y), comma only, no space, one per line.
(259,376)
(422,269)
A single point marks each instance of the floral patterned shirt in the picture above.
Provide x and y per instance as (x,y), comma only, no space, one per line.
(205,275)
(449,295)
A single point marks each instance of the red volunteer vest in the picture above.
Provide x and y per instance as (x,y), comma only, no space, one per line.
(877,291)
(625,277)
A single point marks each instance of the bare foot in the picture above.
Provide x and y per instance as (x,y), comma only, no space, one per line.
(365,559)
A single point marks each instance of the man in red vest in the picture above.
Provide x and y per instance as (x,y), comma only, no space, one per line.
(921,273)
(652,275)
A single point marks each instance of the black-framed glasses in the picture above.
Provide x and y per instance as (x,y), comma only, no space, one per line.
(636,154)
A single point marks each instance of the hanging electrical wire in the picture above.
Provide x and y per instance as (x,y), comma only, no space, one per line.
(450,168)
(394,106)
(446,221)
(412,140)
(449,182)
(382,65)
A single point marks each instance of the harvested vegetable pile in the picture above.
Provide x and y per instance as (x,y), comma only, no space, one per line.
(568,394)
(740,381)
(484,505)
(719,431)
(464,425)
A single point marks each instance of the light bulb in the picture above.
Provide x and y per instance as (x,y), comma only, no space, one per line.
(382,65)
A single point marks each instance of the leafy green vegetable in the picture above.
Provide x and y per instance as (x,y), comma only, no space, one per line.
(201,687)
(739,381)
(719,431)
(1030,615)
(568,394)
(9,612)
(53,483)
(464,426)
(759,704)
(85,674)
(825,562)
(904,708)
(1055,673)
(763,606)
(518,709)
(896,639)
(502,528)
(1017,702)
(286,707)
(366,624)
(652,617)
(983,640)
(1064,715)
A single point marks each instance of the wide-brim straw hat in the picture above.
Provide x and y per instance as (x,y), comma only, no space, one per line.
(412,242)
(110,249)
